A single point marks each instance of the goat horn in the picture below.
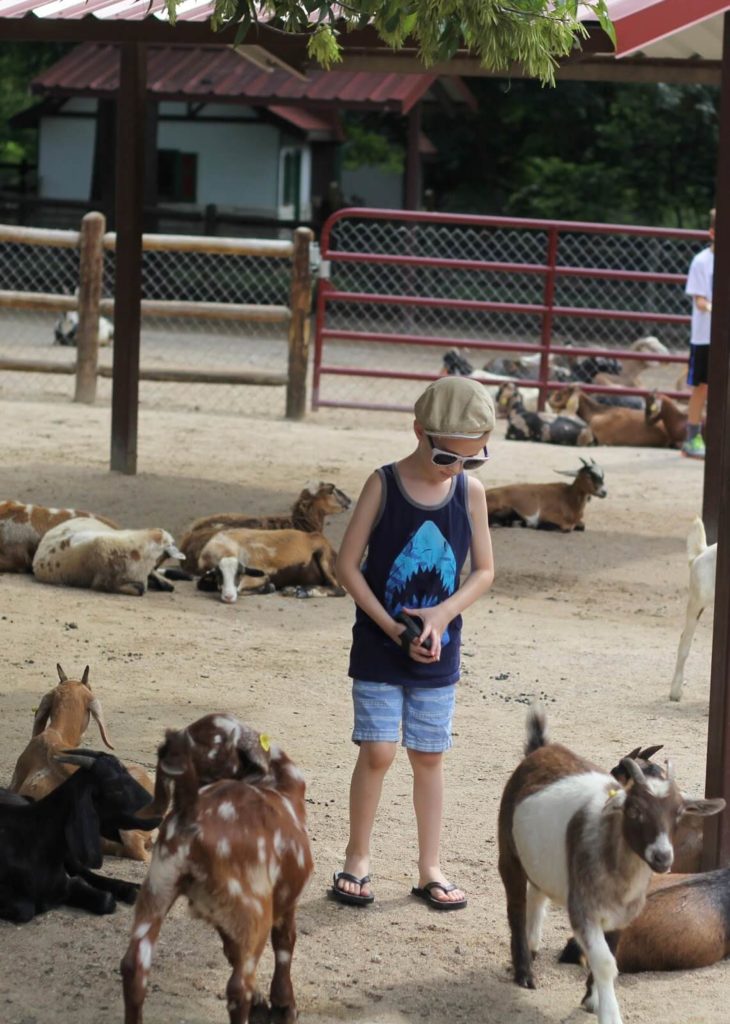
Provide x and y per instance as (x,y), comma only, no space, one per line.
(62,677)
(633,770)
(82,760)
(650,751)
(85,677)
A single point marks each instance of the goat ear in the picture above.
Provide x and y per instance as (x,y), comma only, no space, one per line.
(85,677)
(703,808)
(44,710)
(81,831)
(62,677)
(96,713)
(252,755)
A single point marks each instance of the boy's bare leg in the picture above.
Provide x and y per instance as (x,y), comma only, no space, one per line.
(428,802)
(696,404)
(373,761)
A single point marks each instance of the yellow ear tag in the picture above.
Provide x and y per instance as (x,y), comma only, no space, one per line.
(34,710)
(612,793)
(265,742)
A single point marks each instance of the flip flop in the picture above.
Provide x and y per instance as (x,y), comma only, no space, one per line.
(425,894)
(354,899)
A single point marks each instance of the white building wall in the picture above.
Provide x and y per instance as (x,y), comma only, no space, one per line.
(236,162)
(65,157)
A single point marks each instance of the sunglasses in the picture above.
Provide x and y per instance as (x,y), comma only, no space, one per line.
(441,458)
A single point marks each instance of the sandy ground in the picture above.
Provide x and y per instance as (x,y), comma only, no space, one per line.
(589,621)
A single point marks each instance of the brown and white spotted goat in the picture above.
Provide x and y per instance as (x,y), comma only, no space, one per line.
(568,832)
(239,851)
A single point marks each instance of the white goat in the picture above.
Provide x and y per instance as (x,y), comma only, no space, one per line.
(702,566)
(87,553)
(66,328)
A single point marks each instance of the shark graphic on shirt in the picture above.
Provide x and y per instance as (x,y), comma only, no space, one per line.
(423,574)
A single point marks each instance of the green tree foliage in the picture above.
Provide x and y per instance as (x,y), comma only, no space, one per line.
(19,63)
(534,33)
(590,151)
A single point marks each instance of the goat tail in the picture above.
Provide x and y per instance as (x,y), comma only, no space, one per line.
(696,539)
(537,731)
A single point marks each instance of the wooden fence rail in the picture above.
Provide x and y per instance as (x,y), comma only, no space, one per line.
(92,241)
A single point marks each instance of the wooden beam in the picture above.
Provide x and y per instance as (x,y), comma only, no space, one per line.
(413,160)
(716,510)
(128,278)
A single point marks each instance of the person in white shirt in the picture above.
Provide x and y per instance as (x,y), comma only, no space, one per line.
(699,286)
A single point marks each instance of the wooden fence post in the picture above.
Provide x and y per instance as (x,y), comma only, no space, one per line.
(91,268)
(300,303)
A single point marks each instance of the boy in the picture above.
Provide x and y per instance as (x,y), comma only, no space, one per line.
(699,286)
(418,519)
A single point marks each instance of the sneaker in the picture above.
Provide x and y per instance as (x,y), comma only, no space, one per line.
(694,449)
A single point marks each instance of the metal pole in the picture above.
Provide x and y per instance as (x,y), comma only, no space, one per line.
(130,180)
(717,494)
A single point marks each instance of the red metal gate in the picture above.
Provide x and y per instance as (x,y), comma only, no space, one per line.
(399,281)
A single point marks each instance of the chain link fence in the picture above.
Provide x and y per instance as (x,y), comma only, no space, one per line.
(30,331)
(451,263)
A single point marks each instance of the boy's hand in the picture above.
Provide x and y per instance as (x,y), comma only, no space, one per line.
(435,622)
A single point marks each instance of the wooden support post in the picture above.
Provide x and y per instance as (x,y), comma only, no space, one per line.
(91,271)
(717,496)
(301,307)
(129,201)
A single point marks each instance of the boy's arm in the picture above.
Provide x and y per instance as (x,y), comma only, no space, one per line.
(479,580)
(703,303)
(352,549)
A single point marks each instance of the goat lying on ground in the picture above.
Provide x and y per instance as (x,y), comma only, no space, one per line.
(287,558)
(624,427)
(22,526)
(66,328)
(60,722)
(308,513)
(685,924)
(569,833)
(547,506)
(239,851)
(545,427)
(662,410)
(573,400)
(633,368)
(702,567)
(48,847)
(87,553)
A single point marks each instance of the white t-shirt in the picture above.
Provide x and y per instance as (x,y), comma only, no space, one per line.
(699,282)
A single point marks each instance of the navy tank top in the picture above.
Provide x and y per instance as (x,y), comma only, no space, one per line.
(414,557)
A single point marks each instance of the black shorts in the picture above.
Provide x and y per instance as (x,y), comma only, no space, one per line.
(699,357)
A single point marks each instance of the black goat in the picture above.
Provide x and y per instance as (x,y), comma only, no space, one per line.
(48,847)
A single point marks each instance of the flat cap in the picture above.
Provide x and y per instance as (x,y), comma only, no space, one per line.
(455,407)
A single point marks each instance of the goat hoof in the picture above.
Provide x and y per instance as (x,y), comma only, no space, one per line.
(129,893)
(283,1014)
(525,980)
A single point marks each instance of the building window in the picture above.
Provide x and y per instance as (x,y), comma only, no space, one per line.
(177,176)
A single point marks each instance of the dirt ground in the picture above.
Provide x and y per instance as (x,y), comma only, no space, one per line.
(589,621)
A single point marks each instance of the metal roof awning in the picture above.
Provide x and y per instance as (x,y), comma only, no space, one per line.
(222,74)
(670,29)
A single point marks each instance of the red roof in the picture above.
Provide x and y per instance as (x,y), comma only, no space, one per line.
(220,74)
(642,23)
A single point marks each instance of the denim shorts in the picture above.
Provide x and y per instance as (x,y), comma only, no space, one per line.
(425,714)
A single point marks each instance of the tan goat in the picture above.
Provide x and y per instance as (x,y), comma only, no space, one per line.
(308,513)
(60,722)
(547,506)
(280,558)
(22,526)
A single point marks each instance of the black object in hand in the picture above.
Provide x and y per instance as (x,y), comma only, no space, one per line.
(412,631)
